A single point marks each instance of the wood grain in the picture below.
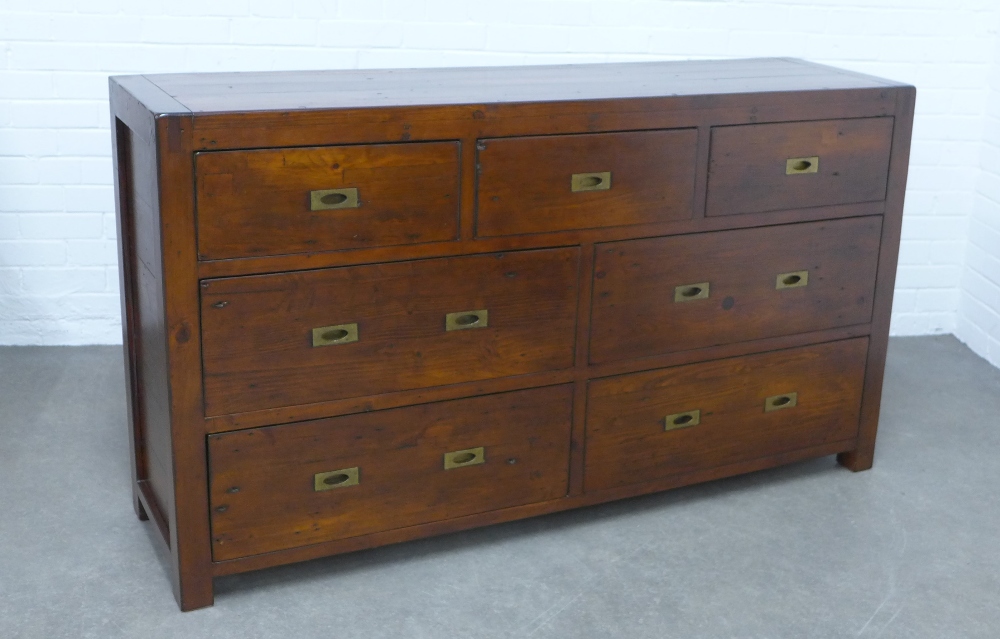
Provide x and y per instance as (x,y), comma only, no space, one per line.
(280,283)
(257,330)
(224,92)
(395,399)
(300,262)
(524,183)
(138,463)
(492,120)
(141,281)
(253,203)
(635,313)
(747,170)
(397,535)
(627,443)
(190,543)
(862,457)
(263,497)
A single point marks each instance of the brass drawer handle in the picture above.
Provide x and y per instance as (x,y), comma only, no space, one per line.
(798,166)
(466,319)
(331,335)
(689,292)
(462,458)
(336,479)
(682,420)
(329,199)
(795,279)
(590,182)
(779,402)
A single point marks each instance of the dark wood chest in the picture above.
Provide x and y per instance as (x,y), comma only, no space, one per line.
(362,307)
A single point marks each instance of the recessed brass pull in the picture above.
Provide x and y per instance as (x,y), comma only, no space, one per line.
(331,335)
(795,279)
(462,458)
(466,319)
(689,292)
(797,166)
(336,479)
(590,182)
(778,402)
(682,420)
(330,199)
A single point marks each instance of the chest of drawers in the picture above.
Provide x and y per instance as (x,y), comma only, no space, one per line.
(363,307)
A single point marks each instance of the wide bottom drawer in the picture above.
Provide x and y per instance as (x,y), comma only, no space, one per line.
(651,425)
(284,486)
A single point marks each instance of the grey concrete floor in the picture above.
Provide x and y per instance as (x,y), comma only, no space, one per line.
(908,549)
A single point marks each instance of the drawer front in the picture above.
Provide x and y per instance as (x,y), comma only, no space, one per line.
(292,485)
(770,167)
(565,182)
(670,294)
(653,425)
(284,201)
(296,338)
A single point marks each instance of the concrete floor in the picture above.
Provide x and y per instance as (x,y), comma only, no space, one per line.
(908,549)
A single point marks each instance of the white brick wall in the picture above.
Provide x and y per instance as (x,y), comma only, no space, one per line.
(979,304)
(58,279)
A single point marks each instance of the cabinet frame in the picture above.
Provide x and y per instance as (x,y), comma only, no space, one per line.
(157,130)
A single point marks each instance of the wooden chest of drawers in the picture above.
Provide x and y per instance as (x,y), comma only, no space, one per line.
(362,307)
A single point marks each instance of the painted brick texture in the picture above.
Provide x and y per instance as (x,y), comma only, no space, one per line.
(979,304)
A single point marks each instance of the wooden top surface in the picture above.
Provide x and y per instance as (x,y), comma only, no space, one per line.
(343,89)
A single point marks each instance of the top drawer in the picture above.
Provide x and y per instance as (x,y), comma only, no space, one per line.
(566,182)
(282,201)
(772,167)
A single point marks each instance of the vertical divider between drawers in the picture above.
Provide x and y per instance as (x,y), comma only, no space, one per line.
(701,170)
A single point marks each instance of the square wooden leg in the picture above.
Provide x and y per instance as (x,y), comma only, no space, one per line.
(855,460)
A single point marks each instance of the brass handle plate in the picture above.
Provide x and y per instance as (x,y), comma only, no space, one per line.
(336,479)
(689,292)
(682,420)
(590,182)
(799,166)
(466,319)
(332,335)
(463,458)
(795,279)
(779,402)
(329,199)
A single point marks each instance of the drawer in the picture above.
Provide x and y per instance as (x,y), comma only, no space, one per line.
(669,294)
(292,485)
(565,182)
(298,338)
(652,425)
(283,201)
(770,167)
